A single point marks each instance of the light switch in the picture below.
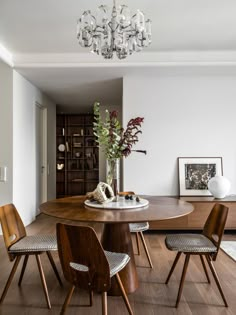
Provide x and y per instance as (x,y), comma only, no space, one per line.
(3,173)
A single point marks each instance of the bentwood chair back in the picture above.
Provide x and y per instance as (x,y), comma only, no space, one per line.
(18,244)
(82,246)
(138,229)
(214,226)
(12,227)
(206,245)
(86,265)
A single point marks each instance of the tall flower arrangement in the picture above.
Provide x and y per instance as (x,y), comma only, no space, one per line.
(115,140)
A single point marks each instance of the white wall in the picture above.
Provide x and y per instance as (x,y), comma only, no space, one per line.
(191,115)
(6,130)
(25,95)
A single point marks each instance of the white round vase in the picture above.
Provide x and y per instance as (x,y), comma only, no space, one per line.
(219,186)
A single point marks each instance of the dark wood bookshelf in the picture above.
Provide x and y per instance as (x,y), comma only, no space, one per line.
(77,166)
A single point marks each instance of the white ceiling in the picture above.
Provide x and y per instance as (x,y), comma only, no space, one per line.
(41,37)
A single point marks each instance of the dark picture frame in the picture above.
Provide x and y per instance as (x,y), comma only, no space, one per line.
(195,172)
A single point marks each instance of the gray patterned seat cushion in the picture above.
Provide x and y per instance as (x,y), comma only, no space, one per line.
(35,243)
(117,261)
(138,227)
(190,243)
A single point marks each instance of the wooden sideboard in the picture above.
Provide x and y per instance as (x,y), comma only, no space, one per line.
(196,219)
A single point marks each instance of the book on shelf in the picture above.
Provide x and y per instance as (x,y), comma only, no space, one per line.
(77,144)
(67,147)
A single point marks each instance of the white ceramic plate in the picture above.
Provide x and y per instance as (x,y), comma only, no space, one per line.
(122,203)
(61,147)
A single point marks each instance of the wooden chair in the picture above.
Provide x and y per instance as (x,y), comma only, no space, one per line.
(138,229)
(18,244)
(86,265)
(205,245)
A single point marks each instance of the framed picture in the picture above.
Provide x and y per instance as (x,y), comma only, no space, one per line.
(195,172)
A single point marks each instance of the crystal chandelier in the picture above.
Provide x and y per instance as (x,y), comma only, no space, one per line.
(121,33)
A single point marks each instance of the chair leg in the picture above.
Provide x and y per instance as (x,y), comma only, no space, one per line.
(23,269)
(124,295)
(137,243)
(104,303)
(182,279)
(90,298)
(9,280)
(173,267)
(204,267)
(210,263)
(146,249)
(54,268)
(45,289)
(67,300)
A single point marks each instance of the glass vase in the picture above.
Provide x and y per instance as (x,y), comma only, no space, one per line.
(113,175)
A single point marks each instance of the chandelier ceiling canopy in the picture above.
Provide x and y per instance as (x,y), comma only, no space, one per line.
(114,31)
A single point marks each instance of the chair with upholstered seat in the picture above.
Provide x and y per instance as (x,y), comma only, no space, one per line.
(18,244)
(206,245)
(86,265)
(138,229)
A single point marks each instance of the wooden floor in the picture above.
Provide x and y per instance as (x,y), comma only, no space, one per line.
(152,297)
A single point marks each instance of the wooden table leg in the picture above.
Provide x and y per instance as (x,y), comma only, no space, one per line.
(117,238)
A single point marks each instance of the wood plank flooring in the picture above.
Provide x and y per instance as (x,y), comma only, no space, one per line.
(152,297)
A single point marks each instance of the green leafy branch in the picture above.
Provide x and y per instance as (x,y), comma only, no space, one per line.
(115,141)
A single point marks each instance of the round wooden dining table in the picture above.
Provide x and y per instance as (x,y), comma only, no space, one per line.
(116,235)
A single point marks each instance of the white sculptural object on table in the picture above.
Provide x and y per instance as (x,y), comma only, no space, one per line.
(102,194)
(219,186)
